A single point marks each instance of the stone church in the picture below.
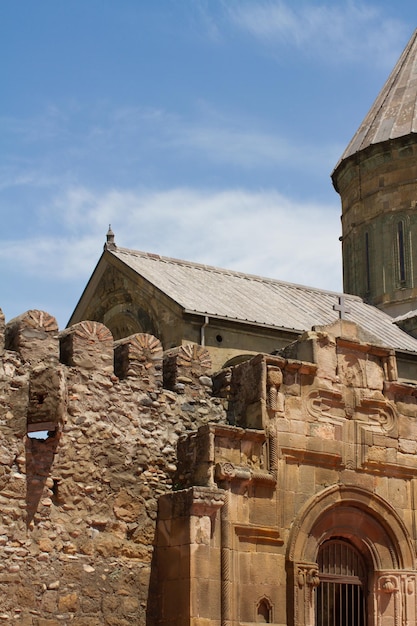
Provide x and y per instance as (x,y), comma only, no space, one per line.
(224,449)
(303,512)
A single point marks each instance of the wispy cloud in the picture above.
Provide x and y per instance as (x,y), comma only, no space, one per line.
(248,148)
(336,32)
(262,233)
(153,137)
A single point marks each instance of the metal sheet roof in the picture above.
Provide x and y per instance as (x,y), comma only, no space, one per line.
(216,292)
(394,113)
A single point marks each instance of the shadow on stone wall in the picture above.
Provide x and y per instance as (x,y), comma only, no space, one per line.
(40,455)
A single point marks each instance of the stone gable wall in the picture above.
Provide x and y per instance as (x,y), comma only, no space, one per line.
(78,507)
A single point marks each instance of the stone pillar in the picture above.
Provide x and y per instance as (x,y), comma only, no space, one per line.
(34,335)
(139,356)
(255,391)
(188,554)
(88,346)
(304,579)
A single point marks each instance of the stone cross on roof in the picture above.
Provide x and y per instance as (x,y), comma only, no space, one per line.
(341,308)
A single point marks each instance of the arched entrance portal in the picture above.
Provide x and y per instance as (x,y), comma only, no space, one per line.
(349,553)
(341,593)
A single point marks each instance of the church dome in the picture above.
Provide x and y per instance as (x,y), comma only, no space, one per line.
(394,112)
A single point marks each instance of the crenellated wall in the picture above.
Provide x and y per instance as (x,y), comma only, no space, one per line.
(78,506)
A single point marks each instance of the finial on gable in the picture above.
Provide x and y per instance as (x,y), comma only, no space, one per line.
(110,239)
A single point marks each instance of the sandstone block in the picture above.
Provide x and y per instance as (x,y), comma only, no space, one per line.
(126,507)
(68,603)
(49,602)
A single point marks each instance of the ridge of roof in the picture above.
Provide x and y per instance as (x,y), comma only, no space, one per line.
(393,113)
(253,299)
(228,272)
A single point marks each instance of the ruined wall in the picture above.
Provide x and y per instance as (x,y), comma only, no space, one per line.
(78,507)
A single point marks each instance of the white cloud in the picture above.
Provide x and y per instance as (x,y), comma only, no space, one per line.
(261,233)
(335,32)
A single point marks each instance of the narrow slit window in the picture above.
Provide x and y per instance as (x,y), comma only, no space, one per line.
(401,252)
(367,264)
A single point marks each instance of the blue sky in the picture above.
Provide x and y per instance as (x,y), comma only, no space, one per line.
(200,129)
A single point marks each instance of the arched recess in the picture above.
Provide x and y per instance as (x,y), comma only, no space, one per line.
(367,522)
(239,358)
(125,320)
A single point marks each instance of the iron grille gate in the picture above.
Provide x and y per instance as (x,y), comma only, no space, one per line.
(340,599)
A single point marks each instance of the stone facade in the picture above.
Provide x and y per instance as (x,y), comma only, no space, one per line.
(159,494)
(317,453)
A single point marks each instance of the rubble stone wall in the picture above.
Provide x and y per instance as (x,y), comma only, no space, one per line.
(79,504)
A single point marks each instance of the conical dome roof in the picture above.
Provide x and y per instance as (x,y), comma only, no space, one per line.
(394,112)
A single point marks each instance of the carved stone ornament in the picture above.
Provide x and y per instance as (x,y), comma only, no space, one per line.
(225,471)
(275,399)
(387,585)
(308,576)
(326,404)
(313,578)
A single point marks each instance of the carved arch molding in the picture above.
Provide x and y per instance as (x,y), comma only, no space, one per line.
(373,526)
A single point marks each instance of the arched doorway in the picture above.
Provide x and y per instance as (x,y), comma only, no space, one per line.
(375,539)
(341,594)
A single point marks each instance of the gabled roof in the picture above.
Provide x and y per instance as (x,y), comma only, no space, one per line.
(231,295)
(393,114)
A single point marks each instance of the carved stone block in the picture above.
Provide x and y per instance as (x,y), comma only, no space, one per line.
(89,346)
(34,335)
(139,356)
(188,366)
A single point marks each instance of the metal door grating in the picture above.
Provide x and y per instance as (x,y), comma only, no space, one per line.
(340,599)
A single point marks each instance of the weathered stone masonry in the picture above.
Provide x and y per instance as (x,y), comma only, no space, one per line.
(321,461)
(78,508)
(298,452)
